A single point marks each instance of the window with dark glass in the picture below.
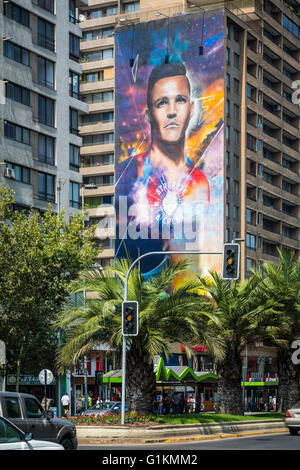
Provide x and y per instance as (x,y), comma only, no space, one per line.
(74,84)
(45,72)
(74,195)
(46,187)
(22,173)
(18,93)
(46,34)
(46,111)
(74,158)
(46,149)
(16,53)
(73,46)
(107,116)
(46,4)
(16,13)
(17,133)
(73,121)
(105,138)
(72,12)
(131,7)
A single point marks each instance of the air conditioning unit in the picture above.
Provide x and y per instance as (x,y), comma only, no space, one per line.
(9,173)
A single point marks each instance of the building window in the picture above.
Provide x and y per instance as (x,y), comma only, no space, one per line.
(46,4)
(22,173)
(98,97)
(73,47)
(18,93)
(16,53)
(131,7)
(46,187)
(236,60)
(95,160)
(227,56)
(16,13)
(99,55)
(72,12)
(46,149)
(74,84)
(251,142)
(46,111)
(249,265)
(73,121)
(17,133)
(74,158)
(46,34)
(250,241)
(101,12)
(98,139)
(228,133)
(97,34)
(74,195)
(290,26)
(250,216)
(45,72)
(228,81)
(107,116)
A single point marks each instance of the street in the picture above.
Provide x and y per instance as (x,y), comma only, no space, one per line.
(267,442)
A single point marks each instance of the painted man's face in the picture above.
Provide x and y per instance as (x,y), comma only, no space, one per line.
(171,109)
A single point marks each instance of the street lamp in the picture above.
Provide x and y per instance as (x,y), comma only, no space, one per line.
(167,56)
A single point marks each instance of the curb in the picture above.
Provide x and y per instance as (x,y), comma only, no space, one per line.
(114,442)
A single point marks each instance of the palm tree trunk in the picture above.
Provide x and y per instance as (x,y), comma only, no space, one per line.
(289,375)
(229,392)
(140,383)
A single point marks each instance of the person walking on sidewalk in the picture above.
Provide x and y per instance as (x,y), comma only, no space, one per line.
(65,401)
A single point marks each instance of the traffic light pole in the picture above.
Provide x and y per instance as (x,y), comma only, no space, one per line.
(151,253)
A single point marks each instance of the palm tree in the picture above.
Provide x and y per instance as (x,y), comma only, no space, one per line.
(236,317)
(282,283)
(165,317)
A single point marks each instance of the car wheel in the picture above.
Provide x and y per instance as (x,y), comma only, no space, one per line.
(67,444)
(293,431)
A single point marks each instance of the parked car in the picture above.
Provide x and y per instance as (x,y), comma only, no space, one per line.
(292,419)
(105,408)
(12,438)
(26,412)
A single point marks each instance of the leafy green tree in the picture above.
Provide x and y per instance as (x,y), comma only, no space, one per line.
(40,255)
(165,317)
(282,283)
(238,313)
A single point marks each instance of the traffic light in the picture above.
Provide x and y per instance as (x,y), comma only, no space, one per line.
(130,320)
(231,261)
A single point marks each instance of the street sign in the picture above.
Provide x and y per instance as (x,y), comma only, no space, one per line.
(46,377)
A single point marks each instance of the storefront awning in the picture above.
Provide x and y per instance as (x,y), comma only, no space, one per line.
(182,374)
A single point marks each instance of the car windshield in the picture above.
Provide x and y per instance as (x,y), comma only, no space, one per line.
(102,406)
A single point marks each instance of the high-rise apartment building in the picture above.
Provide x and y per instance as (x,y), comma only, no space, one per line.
(262,118)
(39,102)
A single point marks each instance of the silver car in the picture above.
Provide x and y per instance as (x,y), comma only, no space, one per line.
(105,408)
(292,419)
(12,438)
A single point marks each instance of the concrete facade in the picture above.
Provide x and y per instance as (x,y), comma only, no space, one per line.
(48,51)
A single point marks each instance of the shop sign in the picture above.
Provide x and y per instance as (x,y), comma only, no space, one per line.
(24,380)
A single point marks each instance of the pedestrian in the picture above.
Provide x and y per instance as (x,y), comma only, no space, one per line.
(90,401)
(167,403)
(186,405)
(176,399)
(159,400)
(82,403)
(192,404)
(274,403)
(181,403)
(65,401)
(261,404)
(198,403)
